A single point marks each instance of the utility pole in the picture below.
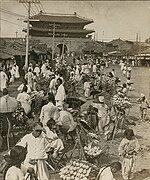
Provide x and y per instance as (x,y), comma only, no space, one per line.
(53,43)
(0,19)
(16,34)
(140,48)
(29,2)
(63,48)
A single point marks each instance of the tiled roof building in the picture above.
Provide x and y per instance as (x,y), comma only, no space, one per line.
(73,26)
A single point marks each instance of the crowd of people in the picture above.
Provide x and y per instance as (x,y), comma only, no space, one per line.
(30,154)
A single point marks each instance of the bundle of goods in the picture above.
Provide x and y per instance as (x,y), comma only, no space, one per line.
(77,169)
(43,84)
(38,100)
(121,101)
(36,94)
(92,151)
(20,117)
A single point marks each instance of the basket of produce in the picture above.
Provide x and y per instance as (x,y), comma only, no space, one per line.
(92,150)
(77,169)
(121,101)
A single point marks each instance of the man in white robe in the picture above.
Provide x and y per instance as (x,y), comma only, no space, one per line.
(36,157)
(37,70)
(52,86)
(17,75)
(49,111)
(3,80)
(43,69)
(60,94)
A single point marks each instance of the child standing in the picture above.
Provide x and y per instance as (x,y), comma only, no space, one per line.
(128,150)
(144,104)
(87,86)
(128,82)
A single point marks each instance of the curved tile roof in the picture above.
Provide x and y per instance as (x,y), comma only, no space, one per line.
(62,18)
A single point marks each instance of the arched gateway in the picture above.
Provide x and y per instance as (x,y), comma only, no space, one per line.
(62,49)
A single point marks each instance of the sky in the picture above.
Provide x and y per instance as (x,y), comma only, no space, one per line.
(112,19)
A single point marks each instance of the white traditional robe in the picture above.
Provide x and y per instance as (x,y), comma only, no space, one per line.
(77,74)
(37,70)
(54,140)
(106,174)
(47,112)
(3,80)
(24,99)
(29,78)
(87,89)
(94,68)
(36,150)
(14,173)
(126,150)
(52,86)
(17,75)
(60,95)
(43,69)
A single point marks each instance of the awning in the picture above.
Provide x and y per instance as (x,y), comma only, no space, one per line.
(5,56)
(113,52)
(37,51)
(12,52)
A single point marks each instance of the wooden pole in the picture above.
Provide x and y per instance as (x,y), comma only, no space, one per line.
(27,37)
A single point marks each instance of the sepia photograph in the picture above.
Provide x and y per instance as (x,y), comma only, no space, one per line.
(74,90)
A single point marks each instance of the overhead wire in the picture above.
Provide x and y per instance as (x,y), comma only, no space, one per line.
(37,7)
(26,7)
(32,10)
(11,13)
(40,4)
(12,22)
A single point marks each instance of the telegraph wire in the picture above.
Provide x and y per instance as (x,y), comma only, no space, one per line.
(37,8)
(42,7)
(26,7)
(12,22)
(11,13)
(32,10)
